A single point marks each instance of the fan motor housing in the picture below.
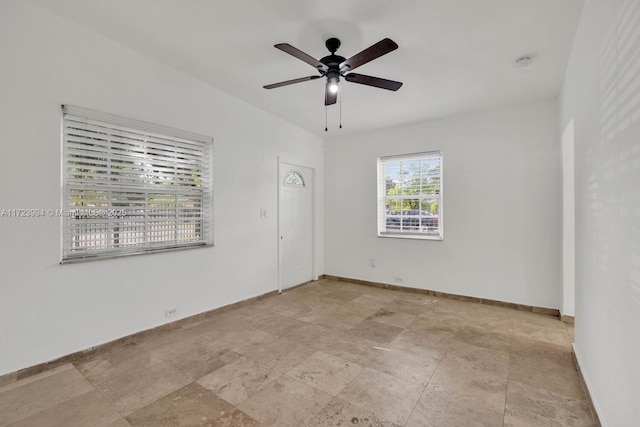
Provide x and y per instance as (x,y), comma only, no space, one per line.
(332,61)
(332,44)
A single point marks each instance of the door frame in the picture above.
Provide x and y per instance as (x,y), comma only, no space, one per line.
(280,168)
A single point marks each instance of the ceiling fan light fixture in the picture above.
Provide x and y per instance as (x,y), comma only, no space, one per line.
(333,78)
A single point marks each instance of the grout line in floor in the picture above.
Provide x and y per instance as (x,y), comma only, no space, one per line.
(506,391)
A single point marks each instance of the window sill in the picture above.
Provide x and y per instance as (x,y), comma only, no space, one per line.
(99,257)
(411,236)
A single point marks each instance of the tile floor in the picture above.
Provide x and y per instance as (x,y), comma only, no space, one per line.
(324,354)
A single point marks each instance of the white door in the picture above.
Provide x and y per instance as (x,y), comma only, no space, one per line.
(295,213)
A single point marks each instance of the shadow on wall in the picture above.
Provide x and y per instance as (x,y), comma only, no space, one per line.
(614,162)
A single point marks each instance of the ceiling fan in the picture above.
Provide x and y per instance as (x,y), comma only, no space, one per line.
(335,66)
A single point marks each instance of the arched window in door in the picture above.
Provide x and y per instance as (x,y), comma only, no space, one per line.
(294,179)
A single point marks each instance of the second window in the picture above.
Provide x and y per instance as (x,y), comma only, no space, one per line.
(410,196)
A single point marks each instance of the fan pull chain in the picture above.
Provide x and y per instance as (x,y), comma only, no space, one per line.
(325,118)
(340,112)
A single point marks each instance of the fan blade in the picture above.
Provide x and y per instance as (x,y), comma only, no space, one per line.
(329,97)
(373,81)
(286,47)
(290,82)
(383,47)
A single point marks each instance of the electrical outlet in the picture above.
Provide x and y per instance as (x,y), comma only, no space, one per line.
(372,262)
(398,279)
(170,312)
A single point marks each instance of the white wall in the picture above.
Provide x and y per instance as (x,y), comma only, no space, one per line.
(48,310)
(602,94)
(502,207)
(568,223)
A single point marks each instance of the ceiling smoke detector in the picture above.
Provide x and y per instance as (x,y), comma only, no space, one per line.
(522,62)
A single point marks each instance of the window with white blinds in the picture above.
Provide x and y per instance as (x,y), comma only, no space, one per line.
(131,187)
(410,196)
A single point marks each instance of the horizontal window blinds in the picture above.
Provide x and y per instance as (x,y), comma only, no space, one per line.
(132,187)
(410,195)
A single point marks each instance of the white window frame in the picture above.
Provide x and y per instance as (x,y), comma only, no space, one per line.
(131,187)
(401,223)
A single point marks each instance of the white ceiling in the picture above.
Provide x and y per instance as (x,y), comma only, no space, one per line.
(454,56)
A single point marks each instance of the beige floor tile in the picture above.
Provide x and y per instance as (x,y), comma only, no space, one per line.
(409,366)
(355,308)
(8,378)
(339,320)
(306,309)
(343,296)
(493,340)
(279,355)
(429,343)
(528,406)
(318,315)
(238,340)
(468,388)
(489,310)
(552,332)
(526,347)
(32,395)
(134,383)
(347,346)
(345,316)
(332,284)
(326,372)
(476,388)
(218,326)
(453,408)
(547,374)
(492,322)
(195,356)
(192,405)
(415,307)
(433,321)
(447,305)
(389,397)
(422,299)
(375,331)
(119,423)
(393,318)
(467,357)
(88,409)
(164,339)
(308,334)
(238,381)
(116,359)
(373,301)
(340,413)
(545,365)
(236,418)
(275,323)
(286,402)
